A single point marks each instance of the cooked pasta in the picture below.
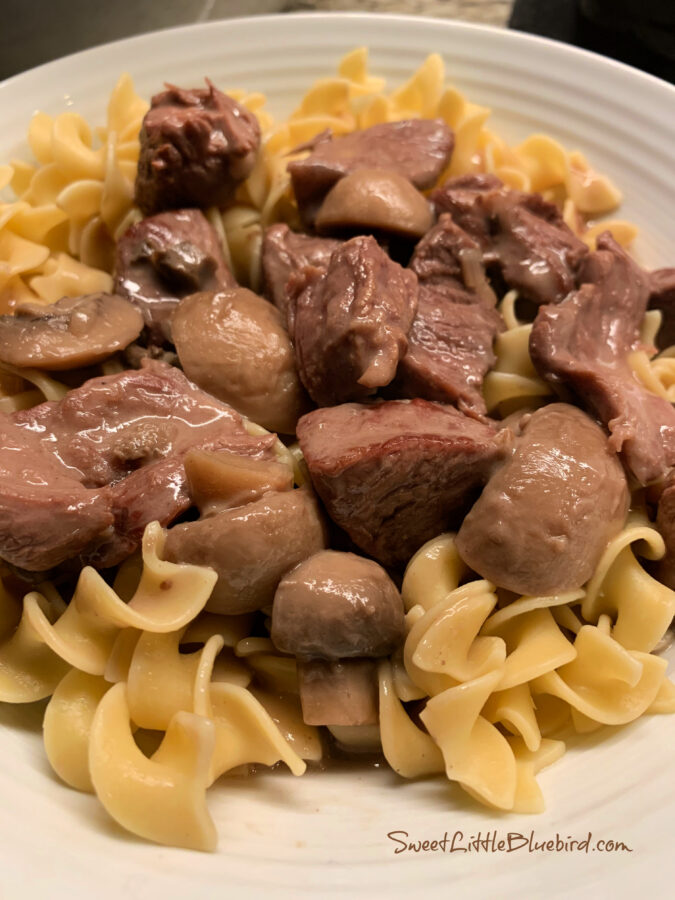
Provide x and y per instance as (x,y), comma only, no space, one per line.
(501,679)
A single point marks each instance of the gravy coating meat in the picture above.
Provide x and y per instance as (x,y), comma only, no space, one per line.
(417,149)
(166,257)
(234,345)
(69,334)
(349,322)
(662,297)
(396,473)
(130,432)
(521,234)
(450,350)
(196,147)
(583,345)
(46,514)
(285,252)
(546,516)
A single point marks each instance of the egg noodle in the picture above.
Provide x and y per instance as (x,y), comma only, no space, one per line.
(152,698)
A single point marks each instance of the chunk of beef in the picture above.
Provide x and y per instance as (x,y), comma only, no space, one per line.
(449,352)
(46,514)
(441,260)
(521,234)
(285,252)
(546,516)
(349,322)
(418,149)
(583,344)
(251,547)
(662,297)
(131,431)
(196,147)
(397,473)
(665,522)
(163,259)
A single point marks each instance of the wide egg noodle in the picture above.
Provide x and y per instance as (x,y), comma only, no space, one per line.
(167,598)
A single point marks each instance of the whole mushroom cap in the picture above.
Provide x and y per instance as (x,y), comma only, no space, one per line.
(335,606)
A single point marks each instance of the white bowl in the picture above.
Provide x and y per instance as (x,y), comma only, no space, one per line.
(326,834)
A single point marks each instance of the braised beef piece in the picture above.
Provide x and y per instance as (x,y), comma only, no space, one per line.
(662,296)
(285,252)
(450,350)
(546,516)
(583,344)
(418,149)
(443,257)
(396,473)
(665,522)
(131,432)
(46,514)
(164,258)
(196,147)
(521,234)
(349,321)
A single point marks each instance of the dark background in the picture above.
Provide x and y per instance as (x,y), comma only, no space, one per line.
(638,32)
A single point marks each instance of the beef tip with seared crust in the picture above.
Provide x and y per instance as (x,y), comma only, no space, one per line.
(196,147)
(349,322)
(396,473)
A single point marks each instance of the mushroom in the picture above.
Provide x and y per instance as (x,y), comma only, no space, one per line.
(374,200)
(251,546)
(337,612)
(68,334)
(233,344)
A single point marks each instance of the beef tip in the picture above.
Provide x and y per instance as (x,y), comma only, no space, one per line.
(665,522)
(521,234)
(339,693)
(69,334)
(448,260)
(131,431)
(250,547)
(374,200)
(46,514)
(662,297)
(349,322)
(583,344)
(337,605)
(397,473)
(417,149)
(234,345)
(546,516)
(196,147)
(164,258)
(285,252)
(449,352)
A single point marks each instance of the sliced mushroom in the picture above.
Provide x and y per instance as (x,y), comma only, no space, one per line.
(233,344)
(337,612)
(68,334)
(374,200)
(220,480)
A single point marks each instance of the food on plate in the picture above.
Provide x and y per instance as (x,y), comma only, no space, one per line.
(460,549)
